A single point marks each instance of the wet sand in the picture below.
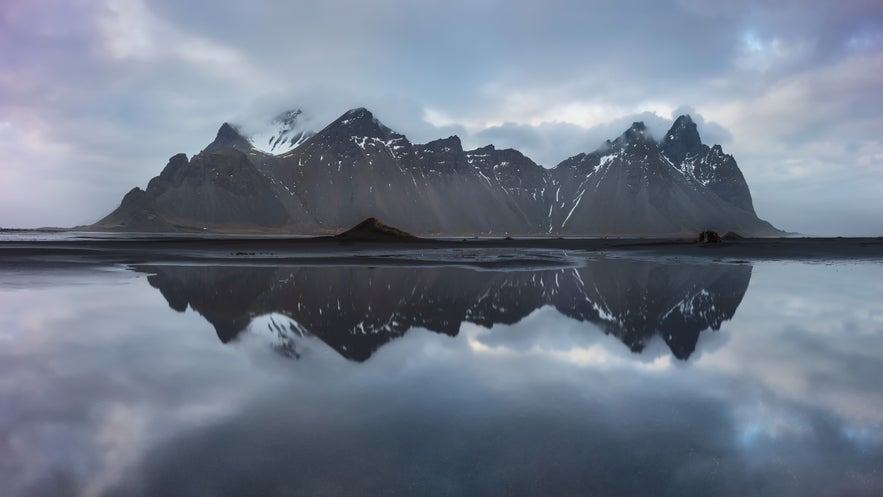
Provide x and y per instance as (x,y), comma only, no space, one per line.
(520,252)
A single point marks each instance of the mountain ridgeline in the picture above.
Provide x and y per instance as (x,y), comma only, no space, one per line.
(356,167)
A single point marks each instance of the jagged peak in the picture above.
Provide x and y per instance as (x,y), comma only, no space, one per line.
(683,120)
(452,142)
(179,157)
(683,130)
(358,116)
(361,122)
(492,148)
(636,134)
(133,194)
(175,164)
(358,110)
(682,140)
(227,129)
(718,151)
(483,150)
(229,136)
(512,154)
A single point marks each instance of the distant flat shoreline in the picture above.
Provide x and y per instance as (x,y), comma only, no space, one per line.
(484,252)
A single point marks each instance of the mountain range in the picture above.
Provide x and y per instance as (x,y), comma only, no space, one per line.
(323,182)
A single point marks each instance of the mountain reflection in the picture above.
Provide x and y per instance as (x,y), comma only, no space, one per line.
(357,309)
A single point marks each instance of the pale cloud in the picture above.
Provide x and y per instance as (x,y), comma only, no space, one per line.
(757,54)
(128,30)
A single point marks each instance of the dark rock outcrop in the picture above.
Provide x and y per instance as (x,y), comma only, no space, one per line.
(372,229)
(708,237)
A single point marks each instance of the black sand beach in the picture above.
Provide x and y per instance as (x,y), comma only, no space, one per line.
(517,252)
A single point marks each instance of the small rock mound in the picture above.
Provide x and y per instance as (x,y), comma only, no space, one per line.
(708,237)
(372,229)
(731,236)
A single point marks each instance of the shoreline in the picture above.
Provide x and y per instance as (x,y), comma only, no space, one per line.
(528,252)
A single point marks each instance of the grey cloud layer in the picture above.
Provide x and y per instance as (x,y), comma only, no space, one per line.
(95,97)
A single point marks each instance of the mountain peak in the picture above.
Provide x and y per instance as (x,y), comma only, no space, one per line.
(447,145)
(226,129)
(682,139)
(229,137)
(359,111)
(636,134)
(683,120)
(685,130)
(361,122)
(358,116)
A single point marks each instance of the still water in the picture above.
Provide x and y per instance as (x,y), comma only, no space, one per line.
(614,377)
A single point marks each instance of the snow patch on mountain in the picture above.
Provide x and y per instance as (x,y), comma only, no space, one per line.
(282,134)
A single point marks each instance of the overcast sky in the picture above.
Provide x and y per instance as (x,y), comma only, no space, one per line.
(96,95)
